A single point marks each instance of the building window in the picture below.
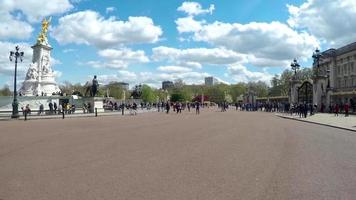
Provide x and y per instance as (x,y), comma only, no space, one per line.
(352,67)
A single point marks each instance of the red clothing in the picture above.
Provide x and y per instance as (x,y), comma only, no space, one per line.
(336,108)
(346,107)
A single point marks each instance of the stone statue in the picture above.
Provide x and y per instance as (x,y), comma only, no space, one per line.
(45,65)
(42,37)
(32,72)
(94,87)
(88,89)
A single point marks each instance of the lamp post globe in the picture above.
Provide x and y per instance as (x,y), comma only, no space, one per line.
(16,56)
(317,57)
(295,66)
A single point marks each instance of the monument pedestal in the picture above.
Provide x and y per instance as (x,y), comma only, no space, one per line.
(95,102)
(294,85)
(40,79)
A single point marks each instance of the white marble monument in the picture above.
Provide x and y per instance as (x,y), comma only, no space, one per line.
(40,79)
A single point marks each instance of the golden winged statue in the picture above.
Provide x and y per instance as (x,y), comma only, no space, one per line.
(42,37)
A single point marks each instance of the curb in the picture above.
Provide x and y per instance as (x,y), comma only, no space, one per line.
(318,123)
(35,117)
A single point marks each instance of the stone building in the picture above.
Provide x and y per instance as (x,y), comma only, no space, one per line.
(210,81)
(335,77)
(125,86)
(167,85)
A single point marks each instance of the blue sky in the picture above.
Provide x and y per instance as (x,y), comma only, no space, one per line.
(149,41)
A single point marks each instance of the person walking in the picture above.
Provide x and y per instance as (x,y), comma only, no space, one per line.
(55,107)
(167,107)
(336,109)
(305,109)
(50,105)
(197,108)
(346,108)
(40,112)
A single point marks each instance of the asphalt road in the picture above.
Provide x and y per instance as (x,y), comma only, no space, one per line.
(232,155)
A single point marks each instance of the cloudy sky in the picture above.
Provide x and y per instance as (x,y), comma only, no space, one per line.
(148,41)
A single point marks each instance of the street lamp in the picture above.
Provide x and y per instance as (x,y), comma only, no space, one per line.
(295,66)
(317,57)
(15,105)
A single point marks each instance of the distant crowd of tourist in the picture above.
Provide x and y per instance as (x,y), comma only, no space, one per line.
(301,109)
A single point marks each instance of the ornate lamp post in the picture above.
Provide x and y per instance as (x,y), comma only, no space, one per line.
(295,66)
(317,57)
(15,105)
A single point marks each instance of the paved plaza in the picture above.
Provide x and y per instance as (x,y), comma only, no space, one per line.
(215,155)
(326,119)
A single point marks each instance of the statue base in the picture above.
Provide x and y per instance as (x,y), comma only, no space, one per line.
(95,103)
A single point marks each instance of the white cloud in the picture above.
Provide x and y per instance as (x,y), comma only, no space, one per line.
(194,8)
(124,54)
(273,41)
(153,79)
(110,9)
(240,73)
(331,20)
(13,24)
(10,27)
(196,56)
(68,50)
(113,64)
(57,74)
(36,10)
(119,58)
(89,27)
(188,24)
(7,67)
(173,69)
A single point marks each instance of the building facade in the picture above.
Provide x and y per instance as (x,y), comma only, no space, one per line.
(167,84)
(210,81)
(334,79)
(124,85)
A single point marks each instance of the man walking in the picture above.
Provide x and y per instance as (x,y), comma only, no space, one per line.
(197,108)
(167,107)
(55,107)
(346,108)
(50,105)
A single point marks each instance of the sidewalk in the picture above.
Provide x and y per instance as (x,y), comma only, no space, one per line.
(342,122)
(75,115)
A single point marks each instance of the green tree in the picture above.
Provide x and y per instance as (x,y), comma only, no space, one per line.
(237,90)
(216,93)
(286,77)
(259,87)
(177,97)
(148,95)
(5,91)
(115,90)
(305,74)
(183,93)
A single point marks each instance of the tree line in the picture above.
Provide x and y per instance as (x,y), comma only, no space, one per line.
(279,86)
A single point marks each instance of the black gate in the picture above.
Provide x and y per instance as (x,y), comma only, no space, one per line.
(305,93)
